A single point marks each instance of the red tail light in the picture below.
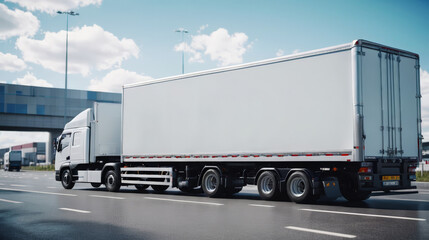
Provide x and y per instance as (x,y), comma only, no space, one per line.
(365,170)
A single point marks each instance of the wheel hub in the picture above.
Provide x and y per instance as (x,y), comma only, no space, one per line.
(297,187)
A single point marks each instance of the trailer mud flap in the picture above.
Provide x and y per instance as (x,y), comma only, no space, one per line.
(331,188)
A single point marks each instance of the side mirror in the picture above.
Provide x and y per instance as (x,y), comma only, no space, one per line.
(60,146)
(55,143)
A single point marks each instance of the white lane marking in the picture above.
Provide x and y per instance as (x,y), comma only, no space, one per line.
(1,184)
(101,196)
(321,232)
(184,201)
(31,191)
(18,185)
(364,214)
(74,210)
(36,178)
(51,187)
(260,205)
(10,201)
(401,199)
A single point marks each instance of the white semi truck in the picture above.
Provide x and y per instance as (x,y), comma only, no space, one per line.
(12,160)
(340,120)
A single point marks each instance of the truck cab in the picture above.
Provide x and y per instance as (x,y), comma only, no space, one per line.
(12,160)
(78,158)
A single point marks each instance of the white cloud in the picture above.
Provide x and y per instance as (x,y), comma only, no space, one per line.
(11,63)
(295,51)
(424,89)
(30,80)
(202,28)
(16,23)
(52,6)
(220,46)
(89,47)
(8,139)
(280,53)
(114,80)
(195,55)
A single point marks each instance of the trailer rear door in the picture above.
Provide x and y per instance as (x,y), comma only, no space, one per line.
(390,102)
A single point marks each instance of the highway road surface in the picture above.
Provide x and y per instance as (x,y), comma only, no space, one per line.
(34,206)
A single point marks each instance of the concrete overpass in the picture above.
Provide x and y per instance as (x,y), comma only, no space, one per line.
(28,108)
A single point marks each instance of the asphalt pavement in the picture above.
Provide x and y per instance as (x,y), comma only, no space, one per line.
(34,206)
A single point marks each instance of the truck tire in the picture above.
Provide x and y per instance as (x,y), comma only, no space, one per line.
(159,188)
(112,181)
(268,186)
(67,179)
(298,188)
(211,184)
(96,185)
(141,187)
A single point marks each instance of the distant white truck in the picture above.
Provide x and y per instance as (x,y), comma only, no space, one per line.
(344,119)
(12,160)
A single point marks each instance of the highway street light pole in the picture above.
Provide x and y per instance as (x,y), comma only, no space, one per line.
(183,31)
(71,13)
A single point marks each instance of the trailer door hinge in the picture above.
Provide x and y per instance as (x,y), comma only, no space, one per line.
(382,128)
(417,66)
(398,59)
(361,53)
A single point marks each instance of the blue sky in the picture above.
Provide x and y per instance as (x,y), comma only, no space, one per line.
(135,40)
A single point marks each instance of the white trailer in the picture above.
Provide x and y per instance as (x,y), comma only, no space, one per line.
(12,160)
(341,118)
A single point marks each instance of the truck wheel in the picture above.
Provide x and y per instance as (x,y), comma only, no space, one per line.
(112,181)
(211,183)
(268,186)
(96,185)
(141,187)
(159,188)
(298,188)
(67,179)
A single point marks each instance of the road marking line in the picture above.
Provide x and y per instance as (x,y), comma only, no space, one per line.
(101,196)
(31,191)
(260,205)
(74,210)
(51,187)
(184,201)
(364,214)
(401,199)
(17,185)
(321,232)
(10,201)
(1,184)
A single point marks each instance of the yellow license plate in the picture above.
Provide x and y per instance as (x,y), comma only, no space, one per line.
(389,178)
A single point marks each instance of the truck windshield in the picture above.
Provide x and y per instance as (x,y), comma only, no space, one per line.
(64,141)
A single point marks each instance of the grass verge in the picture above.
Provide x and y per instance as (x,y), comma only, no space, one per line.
(39,168)
(422,178)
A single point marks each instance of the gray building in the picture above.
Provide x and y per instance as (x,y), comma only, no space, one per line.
(28,108)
